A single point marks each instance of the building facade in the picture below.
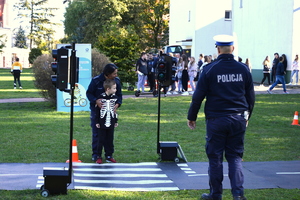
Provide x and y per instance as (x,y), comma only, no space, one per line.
(260,28)
(9,54)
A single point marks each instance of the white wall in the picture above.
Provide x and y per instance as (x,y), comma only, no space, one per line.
(296,30)
(210,21)
(181,21)
(198,20)
(263,28)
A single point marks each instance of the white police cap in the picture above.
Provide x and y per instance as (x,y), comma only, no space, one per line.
(223,40)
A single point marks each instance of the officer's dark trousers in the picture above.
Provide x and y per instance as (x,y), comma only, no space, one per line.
(225,134)
(105,139)
(94,132)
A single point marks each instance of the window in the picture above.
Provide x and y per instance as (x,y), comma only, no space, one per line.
(227,14)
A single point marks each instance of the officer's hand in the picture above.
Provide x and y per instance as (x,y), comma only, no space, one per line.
(116,106)
(99,103)
(191,124)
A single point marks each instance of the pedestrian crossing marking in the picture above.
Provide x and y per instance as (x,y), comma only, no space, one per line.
(119,176)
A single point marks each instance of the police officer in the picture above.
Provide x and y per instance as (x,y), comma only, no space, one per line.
(94,90)
(228,88)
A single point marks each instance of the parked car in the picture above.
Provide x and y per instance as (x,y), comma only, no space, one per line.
(173,49)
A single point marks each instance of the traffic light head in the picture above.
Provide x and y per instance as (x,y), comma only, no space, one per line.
(162,71)
(61,68)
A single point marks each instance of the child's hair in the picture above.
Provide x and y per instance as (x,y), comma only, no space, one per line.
(108,83)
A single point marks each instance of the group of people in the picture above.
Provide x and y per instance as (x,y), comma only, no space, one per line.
(188,71)
(277,69)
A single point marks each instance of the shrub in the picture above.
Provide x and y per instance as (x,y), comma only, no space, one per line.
(42,73)
(34,53)
(99,60)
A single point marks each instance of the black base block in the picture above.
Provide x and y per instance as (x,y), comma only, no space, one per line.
(168,150)
(56,180)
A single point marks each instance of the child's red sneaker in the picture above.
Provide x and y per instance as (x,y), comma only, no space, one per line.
(110,160)
(99,161)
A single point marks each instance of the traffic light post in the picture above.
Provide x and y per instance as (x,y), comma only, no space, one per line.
(165,76)
(65,67)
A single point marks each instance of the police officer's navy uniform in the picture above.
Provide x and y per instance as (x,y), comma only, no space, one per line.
(228,88)
(94,90)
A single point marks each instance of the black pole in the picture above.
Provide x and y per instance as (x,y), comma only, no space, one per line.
(158,118)
(72,84)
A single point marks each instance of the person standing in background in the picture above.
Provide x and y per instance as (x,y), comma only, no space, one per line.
(185,75)
(274,66)
(279,77)
(192,71)
(295,70)
(142,71)
(248,63)
(266,70)
(16,70)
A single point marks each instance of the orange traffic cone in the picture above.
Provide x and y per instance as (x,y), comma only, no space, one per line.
(295,121)
(74,152)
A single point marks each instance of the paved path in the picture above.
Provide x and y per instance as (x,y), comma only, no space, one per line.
(150,176)
(292,89)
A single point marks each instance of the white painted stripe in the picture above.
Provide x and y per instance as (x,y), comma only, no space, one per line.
(120,175)
(144,182)
(116,164)
(287,173)
(190,172)
(182,165)
(198,175)
(185,168)
(127,189)
(56,168)
(20,174)
(117,170)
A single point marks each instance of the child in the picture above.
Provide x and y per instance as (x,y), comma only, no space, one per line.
(16,70)
(106,121)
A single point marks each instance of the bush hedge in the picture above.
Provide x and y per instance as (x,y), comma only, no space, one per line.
(42,71)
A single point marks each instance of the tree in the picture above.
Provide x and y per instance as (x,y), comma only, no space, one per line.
(122,47)
(20,39)
(75,21)
(34,53)
(38,17)
(156,23)
(86,20)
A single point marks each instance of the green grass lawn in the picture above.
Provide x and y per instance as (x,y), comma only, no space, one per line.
(7,85)
(35,132)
